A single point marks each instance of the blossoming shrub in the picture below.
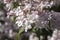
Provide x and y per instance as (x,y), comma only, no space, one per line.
(29,16)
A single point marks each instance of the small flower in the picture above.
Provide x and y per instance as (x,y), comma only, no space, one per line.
(10,33)
(50,16)
(19,23)
(27,27)
(8,6)
(27,7)
(51,3)
(8,1)
(19,12)
(10,13)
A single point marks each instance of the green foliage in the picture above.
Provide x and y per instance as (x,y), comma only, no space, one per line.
(15,18)
(15,4)
(19,33)
(1,5)
(36,30)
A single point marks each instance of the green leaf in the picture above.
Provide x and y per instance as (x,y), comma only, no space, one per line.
(18,35)
(15,18)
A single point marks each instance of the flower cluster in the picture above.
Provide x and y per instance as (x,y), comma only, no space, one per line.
(25,20)
(30,15)
(46,4)
(8,4)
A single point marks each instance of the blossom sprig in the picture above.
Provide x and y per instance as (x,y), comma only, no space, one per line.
(22,19)
(46,4)
(25,20)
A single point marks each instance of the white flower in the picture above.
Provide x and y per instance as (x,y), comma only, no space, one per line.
(27,7)
(8,1)
(19,23)
(41,5)
(50,16)
(8,6)
(34,12)
(26,21)
(45,4)
(5,1)
(20,18)
(26,24)
(18,9)
(10,33)
(27,27)
(10,13)
(32,17)
(19,12)
(33,37)
(51,3)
